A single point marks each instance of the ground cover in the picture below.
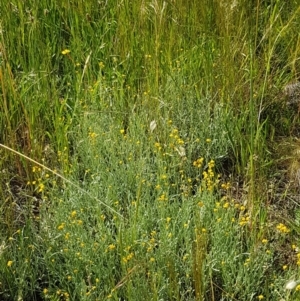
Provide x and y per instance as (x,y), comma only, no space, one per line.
(148,150)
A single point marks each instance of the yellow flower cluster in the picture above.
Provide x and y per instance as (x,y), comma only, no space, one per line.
(282,228)
(198,163)
(163,198)
(298,259)
(42,176)
(152,241)
(9,263)
(65,51)
(175,138)
(92,136)
(158,146)
(209,176)
(226,186)
(244,220)
(128,257)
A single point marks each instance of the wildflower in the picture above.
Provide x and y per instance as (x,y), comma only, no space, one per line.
(65,51)
(284,267)
(92,135)
(260,297)
(158,145)
(41,187)
(73,213)
(282,228)
(185,256)
(226,205)
(125,259)
(294,247)
(247,262)
(198,163)
(61,226)
(211,164)
(225,186)
(180,141)
(162,197)
(111,247)
(244,220)
(45,291)
(9,263)
(264,241)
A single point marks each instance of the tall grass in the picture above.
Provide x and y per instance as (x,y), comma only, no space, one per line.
(136,150)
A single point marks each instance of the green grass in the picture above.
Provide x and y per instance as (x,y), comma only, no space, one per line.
(147,151)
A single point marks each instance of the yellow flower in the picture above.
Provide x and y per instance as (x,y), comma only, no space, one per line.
(9,263)
(226,205)
(60,227)
(65,51)
(111,247)
(260,297)
(162,198)
(41,187)
(198,163)
(282,228)
(73,213)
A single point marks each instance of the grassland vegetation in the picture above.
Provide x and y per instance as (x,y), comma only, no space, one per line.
(148,150)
